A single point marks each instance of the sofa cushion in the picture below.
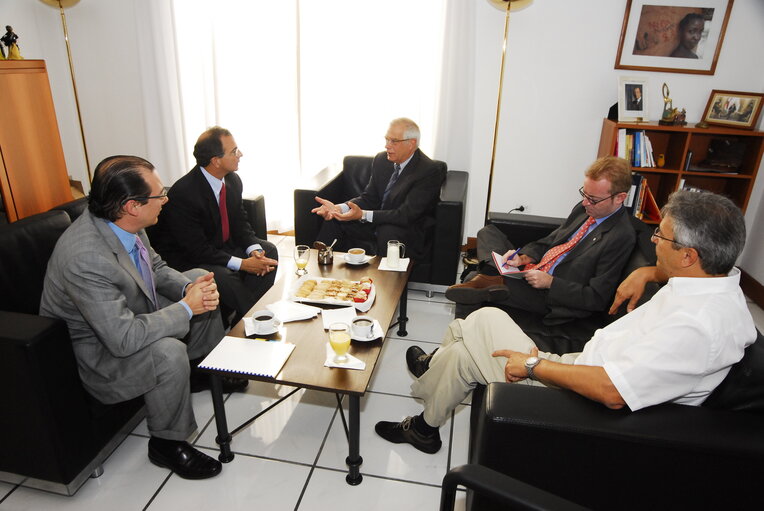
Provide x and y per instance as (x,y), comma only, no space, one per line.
(743,388)
(25,247)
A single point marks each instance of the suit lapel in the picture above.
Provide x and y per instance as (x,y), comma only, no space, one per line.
(404,181)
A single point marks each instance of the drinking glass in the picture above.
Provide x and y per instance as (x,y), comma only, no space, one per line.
(339,338)
(301,257)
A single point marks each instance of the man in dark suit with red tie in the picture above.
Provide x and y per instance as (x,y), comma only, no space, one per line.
(397,203)
(204,225)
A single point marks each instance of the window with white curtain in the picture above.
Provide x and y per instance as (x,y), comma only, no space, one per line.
(302,83)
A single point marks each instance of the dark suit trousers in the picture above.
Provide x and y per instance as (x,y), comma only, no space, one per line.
(352,234)
(240,290)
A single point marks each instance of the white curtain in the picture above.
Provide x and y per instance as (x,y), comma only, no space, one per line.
(302,83)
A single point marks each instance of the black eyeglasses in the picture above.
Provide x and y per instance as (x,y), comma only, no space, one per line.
(144,197)
(593,200)
(657,234)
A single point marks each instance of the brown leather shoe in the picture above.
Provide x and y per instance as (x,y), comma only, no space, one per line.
(483,288)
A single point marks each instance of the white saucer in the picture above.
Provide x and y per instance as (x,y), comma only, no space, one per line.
(376,333)
(276,325)
(366,259)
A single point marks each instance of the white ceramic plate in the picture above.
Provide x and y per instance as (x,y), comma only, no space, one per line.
(366,260)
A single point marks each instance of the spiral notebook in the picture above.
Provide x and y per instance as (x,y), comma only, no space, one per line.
(248,356)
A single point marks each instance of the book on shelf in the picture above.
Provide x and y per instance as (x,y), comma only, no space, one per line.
(641,202)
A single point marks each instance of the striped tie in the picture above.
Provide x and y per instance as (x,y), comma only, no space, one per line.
(145,270)
(393,179)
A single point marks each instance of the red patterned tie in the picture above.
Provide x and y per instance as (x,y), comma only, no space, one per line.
(555,252)
(224,214)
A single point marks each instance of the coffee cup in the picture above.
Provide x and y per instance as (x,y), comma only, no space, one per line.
(356,255)
(264,322)
(362,327)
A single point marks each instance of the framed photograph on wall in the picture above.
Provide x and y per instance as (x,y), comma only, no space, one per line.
(632,99)
(675,36)
(733,109)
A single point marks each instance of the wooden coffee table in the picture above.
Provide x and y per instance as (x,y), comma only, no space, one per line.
(305,367)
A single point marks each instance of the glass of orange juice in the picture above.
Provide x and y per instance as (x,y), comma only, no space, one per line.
(301,257)
(339,339)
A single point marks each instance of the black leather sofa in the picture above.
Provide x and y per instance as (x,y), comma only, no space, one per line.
(667,456)
(446,238)
(54,434)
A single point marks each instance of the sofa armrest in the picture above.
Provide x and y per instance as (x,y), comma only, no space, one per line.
(523,229)
(449,228)
(622,459)
(327,184)
(255,209)
(507,491)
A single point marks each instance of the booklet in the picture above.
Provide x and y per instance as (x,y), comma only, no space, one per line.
(505,270)
(248,356)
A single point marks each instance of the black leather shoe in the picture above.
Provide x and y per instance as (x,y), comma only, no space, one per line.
(418,361)
(181,458)
(404,432)
(200,381)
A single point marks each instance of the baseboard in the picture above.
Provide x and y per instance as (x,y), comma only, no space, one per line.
(752,288)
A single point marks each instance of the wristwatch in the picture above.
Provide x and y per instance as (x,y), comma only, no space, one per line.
(530,363)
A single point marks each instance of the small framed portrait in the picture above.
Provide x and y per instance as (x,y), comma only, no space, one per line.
(632,99)
(675,36)
(733,109)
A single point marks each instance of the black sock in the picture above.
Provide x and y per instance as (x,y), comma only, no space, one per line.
(421,426)
(487,269)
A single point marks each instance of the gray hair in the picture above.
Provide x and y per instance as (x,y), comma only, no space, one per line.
(410,128)
(711,224)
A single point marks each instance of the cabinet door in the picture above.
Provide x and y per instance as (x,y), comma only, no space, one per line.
(35,169)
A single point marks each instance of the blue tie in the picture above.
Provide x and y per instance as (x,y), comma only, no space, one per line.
(390,183)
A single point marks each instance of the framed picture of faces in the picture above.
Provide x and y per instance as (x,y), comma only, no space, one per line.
(675,36)
(733,109)
(632,99)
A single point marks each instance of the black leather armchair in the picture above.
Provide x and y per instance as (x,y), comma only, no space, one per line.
(54,434)
(440,267)
(667,456)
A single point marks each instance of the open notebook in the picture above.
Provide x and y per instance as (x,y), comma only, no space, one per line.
(248,356)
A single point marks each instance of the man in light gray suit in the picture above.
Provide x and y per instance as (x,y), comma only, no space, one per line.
(135,323)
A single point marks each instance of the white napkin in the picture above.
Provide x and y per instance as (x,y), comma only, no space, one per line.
(403,265)
(288,311)
(342,315)
(352,363)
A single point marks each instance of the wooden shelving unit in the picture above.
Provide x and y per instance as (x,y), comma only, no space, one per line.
(675,143)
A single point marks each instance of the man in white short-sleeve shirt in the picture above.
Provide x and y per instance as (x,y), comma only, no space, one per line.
(678,347)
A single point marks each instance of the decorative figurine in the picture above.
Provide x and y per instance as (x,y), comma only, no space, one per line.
(669,113)
(679,118)
(9,40)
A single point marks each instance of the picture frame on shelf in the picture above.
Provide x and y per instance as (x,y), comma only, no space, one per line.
(632,99)
(733,109)
(674,36)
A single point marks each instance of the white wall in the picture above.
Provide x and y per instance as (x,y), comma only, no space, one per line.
(559,84)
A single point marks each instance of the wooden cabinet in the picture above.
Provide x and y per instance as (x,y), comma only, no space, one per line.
(687,159)
(33,176)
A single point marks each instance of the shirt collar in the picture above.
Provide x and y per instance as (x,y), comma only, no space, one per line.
(215,183)
(705,285)
(126,238)
(403,165)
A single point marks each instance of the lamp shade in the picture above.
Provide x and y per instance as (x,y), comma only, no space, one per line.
(516,5)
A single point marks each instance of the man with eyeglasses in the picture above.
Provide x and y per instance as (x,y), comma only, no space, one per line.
(677,347)
(573,271)
(396,204)
(137,326)
(204,225)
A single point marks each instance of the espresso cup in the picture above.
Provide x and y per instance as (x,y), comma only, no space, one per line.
(263,321)
(356,255)
(362,327)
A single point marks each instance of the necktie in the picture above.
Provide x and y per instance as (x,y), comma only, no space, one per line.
(555,252)
(224,214)
(145,270)
(390,183)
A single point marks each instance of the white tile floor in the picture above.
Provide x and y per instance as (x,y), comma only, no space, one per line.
(293,456)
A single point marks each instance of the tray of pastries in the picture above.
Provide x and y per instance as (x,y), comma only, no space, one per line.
(358,293)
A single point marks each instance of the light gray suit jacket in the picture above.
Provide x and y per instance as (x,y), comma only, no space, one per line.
(93,285)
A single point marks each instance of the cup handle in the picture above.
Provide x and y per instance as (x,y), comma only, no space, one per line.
(402,251)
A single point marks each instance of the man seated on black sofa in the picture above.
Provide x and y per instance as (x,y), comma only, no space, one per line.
(397,203)
(205,226)
(136,324)
(575,269)
(675,348)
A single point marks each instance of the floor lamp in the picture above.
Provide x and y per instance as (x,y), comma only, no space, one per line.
(61,5)
(506,6)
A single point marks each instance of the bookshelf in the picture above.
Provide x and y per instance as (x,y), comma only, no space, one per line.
(687,160)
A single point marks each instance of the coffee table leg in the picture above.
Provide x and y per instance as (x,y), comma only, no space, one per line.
(402,310)
(224,438)
(354,459)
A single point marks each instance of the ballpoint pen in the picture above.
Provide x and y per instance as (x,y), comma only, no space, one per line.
(505,265)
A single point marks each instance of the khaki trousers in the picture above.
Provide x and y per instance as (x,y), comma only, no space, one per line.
(464,360)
